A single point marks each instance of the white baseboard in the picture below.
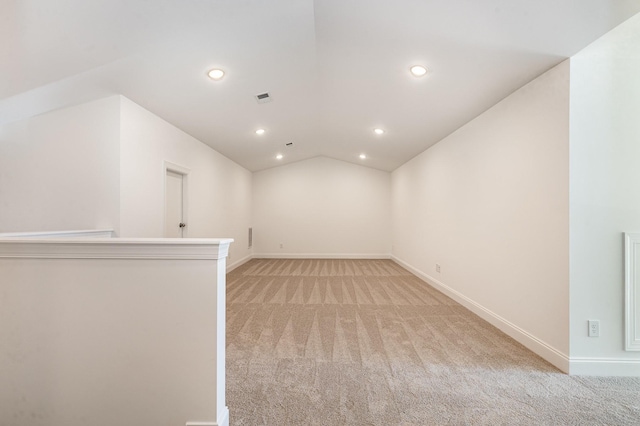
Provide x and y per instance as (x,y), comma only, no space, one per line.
(223,420)
(234,265)
(605,367)
(320,256)
(550,354)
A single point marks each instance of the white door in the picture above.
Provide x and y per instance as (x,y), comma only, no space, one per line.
(174,208)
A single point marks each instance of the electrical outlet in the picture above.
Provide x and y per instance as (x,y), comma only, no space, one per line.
(281,245)
(594,328)
(437,267)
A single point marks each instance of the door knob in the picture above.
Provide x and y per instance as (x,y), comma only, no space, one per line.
(182,225)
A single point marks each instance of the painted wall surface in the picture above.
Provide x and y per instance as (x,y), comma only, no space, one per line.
(60,170)
(107,341)
(605,186)
(218,193)
(490,205)
(321,207)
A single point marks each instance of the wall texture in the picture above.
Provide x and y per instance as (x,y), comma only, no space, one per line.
(490,205)
(605,194)
(60,170)
(321,207)
(219,190)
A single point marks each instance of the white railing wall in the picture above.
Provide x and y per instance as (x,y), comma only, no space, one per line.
(107,331)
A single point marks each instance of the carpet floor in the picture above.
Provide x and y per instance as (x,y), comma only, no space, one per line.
(365,342)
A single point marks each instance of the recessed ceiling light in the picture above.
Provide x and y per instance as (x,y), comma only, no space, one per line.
(215,74)
(279,157)
(363,156)
(378,131)
(418,70)
(260,132)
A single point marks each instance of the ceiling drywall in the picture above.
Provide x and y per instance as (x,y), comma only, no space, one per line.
(336,69)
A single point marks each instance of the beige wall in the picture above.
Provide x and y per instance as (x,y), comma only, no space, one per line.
(219,190)
(60,170)
(102,335)
(605,193)
(101,165)
(490,205)
(321,207)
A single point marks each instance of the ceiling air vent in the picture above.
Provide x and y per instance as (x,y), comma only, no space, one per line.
(263,98)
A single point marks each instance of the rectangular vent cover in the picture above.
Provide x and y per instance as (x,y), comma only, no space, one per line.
(263,97)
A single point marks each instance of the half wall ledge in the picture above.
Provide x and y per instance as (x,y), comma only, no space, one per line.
(115,248)
(115,330)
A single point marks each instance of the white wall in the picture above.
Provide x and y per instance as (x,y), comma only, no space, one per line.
(219,190)
(60,170)
(111,332)
(490,205)
(321,207)
(605,192)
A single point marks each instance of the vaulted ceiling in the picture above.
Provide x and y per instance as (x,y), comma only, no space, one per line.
(335,69)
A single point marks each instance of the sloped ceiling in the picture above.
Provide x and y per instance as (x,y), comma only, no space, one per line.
(336,69)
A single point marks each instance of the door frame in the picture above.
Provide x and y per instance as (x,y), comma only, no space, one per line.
(168,166)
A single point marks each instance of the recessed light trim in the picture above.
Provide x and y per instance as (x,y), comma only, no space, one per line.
(363,156)
(378,131)
(260,132)
(418,70)
(279,157)
(215,74)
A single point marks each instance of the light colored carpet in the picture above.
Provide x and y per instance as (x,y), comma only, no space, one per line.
(365,342)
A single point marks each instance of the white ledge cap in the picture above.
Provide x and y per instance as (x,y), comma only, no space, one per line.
(115,248)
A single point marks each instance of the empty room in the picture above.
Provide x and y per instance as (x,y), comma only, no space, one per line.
(319,212)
